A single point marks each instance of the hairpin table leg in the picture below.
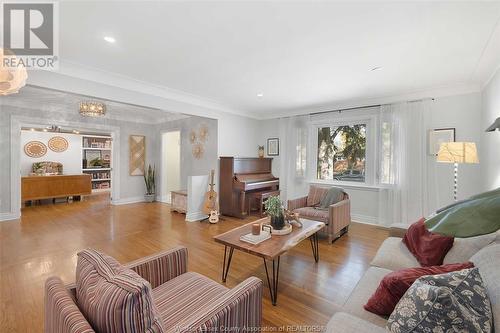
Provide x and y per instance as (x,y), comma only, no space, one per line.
(273,288)
(225,269)
(315,246)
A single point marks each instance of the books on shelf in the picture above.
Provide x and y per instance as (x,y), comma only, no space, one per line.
(91,142)
(96,160)
(256,239)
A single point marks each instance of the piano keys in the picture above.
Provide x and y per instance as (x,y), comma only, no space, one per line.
(241,176)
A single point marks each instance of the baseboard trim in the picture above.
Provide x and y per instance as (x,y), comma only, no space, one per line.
(9,216)
(195,217)
(126,201)
(366,219)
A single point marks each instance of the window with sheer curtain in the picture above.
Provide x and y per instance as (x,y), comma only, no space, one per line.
(341,153)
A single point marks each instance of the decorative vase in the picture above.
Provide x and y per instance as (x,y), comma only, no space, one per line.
(149,197)
(261,151)
(278,222)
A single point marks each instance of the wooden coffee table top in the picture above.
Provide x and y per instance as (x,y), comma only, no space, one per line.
(273,247)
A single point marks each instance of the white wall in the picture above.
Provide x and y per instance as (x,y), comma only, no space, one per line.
(238,136)
(71,159)
(171,164)
(461,112)
(490,141)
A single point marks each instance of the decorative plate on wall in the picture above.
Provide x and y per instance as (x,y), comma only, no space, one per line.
(58,144)
(35,149)
(203,133)
(198,151)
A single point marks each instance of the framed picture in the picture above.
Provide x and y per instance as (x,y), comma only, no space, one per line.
(137,152)
(438,136)
(273,147)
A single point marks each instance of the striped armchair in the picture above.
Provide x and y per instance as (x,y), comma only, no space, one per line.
(155,294)
(337,218)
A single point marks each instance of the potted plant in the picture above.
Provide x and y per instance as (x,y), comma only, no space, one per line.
(149,180)
(38,168)
(274,209)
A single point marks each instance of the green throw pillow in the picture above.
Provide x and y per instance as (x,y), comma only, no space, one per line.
(468,219)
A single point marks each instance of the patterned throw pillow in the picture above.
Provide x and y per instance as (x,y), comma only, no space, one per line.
(113,298)
(451,302)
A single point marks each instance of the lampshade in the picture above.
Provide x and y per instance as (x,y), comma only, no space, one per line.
(494,126)
(11,79)
(457,152)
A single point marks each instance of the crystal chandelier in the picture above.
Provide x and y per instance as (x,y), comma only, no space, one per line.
(92,109)
(11,78)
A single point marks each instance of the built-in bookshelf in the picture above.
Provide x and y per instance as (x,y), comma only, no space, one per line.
(97,152)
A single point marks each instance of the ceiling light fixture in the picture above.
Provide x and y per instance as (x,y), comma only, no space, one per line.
(110,39)
(92,109)
(260,95)
(11,78)
(377,68)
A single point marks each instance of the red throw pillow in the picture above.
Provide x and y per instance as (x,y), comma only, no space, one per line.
(429,248)
(394,285)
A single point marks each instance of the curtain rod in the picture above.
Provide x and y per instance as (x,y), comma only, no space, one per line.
(369,106)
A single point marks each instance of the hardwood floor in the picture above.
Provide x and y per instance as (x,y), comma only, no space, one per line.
(46,239)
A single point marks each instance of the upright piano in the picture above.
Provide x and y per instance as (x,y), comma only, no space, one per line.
(241,176)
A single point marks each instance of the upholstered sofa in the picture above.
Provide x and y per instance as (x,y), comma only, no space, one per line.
(115,297)
(483,251)
(337,217)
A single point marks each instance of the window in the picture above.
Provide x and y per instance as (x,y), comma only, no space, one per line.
(342,153)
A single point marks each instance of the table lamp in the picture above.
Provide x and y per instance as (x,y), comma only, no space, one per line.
(457,152)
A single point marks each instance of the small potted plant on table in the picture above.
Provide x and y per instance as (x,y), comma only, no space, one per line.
(149,180)
(274,209)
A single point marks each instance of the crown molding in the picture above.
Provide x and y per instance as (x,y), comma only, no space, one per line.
(76,78)
(122,81)
(436,92)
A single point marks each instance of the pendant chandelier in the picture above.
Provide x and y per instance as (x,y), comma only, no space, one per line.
(11,78)
(92,109)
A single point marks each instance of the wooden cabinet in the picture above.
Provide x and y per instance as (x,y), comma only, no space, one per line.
(57,186)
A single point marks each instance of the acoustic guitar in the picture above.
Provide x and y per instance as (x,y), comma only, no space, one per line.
(211,204)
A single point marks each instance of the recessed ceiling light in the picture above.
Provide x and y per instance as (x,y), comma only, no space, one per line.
(109,39)
(376,68)
(260,95)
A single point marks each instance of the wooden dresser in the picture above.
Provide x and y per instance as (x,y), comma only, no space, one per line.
(57,186)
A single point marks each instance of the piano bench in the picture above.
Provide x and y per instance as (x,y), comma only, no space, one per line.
(260,197)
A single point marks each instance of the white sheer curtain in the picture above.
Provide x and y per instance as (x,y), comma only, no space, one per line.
(407,174)
(293,156)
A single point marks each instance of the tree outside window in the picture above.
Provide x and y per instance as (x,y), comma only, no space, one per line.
(342,153)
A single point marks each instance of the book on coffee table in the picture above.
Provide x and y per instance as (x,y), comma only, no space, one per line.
(255,239)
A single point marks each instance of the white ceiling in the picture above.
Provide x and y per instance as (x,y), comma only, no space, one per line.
(299,55)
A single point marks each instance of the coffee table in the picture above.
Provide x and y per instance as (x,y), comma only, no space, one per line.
(270,249)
